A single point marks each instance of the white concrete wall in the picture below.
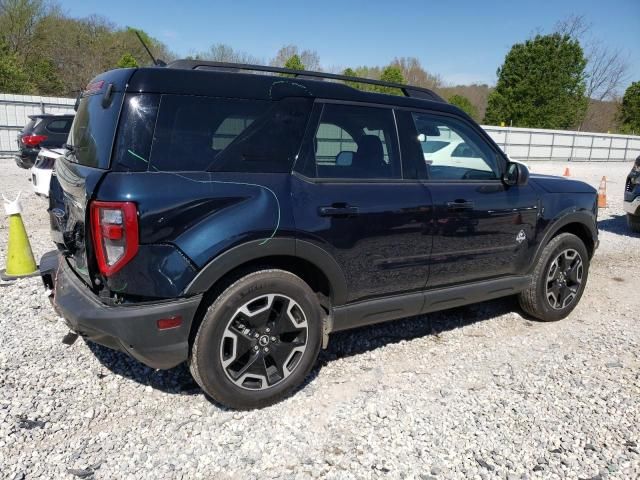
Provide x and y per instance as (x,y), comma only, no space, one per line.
(15,111)
(537,144)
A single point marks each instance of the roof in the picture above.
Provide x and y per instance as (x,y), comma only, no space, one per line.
(235,82)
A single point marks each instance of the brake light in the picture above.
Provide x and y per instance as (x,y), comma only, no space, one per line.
(33,140)
(115,234)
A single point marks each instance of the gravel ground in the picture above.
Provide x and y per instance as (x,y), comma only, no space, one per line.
(474,392)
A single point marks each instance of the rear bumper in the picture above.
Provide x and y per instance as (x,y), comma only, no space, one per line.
(131,329)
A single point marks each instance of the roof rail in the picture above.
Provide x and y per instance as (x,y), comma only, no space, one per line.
(407,90)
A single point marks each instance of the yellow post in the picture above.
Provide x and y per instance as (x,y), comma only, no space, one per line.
(20,261)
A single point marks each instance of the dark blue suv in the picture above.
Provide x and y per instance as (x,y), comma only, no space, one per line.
(233,220)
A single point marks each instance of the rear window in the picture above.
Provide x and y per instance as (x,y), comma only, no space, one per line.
(59,126)
(93,129)
(228,135)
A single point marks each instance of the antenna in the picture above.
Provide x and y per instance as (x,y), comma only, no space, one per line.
(159,63)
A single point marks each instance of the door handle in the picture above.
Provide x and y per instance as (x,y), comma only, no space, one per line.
(460,205)
(337,210)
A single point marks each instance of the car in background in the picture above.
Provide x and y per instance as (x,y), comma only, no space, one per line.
(43,169)
(42,131)
(446,152)
(632,197)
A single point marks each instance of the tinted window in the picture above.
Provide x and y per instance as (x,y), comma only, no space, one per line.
(135,132)
(199,133)
(93,129)
(59,126)
(355,142)
(465,155)
(29,126)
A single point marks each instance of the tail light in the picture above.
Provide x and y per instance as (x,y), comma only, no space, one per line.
(33,140)
(115,234)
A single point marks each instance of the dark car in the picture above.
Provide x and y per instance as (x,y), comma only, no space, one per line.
(234,220)
(632,197)
(44,130)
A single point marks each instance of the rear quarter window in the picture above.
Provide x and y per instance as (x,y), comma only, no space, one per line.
(93,130)
(228,135)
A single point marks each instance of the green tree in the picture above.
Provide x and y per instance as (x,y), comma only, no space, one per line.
(464,104)
(540,85)
(630,110)
(391,74)
(127,61)
(13,79)
(294,63)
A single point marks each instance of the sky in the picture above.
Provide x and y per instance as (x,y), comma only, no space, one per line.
(463,41)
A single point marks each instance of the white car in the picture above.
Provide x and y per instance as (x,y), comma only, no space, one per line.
(43,169)
(452,153)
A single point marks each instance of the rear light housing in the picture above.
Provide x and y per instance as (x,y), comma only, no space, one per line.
(33,140)
(115,234)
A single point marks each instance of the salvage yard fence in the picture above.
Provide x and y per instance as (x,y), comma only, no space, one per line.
(15,111)
(519,143)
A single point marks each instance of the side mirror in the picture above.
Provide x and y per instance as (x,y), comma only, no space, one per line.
(516,174)
(344,159)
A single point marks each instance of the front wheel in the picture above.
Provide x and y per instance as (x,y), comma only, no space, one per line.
(558,280)
(258,341)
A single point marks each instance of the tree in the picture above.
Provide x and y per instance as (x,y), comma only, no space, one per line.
(391,74)
(630,110)
(606,69)
(12,78)
(309,58)
(540,85)
(294,63)
(127,61)
(221,52)
(414,74)
(464,104)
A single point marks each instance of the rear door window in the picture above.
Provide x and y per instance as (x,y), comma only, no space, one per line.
(355,142)
(228,135)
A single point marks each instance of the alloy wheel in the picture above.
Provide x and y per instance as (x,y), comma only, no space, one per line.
(264,342)
(564,279)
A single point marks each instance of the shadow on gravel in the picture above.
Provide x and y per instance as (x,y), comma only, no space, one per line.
(617,225)
(177,380)
(345,344)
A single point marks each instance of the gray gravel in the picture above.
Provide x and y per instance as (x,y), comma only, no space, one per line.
(475,392)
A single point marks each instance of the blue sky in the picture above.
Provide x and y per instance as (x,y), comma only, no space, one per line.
(462,40)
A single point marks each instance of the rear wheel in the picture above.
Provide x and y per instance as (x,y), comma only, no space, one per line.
(558,280)
(258,340)
(633,221)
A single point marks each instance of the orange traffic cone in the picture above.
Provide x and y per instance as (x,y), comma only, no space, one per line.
(602,193)
(566,173)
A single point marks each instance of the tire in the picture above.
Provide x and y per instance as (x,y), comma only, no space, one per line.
(258,340)
(547,298)
(633,222)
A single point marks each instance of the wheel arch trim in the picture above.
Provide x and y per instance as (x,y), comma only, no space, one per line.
(582,218)
(236,256)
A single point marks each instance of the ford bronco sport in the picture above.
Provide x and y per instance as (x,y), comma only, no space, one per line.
(231,219)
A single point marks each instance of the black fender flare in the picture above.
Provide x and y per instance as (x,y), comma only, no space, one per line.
(582,217)
(256,249)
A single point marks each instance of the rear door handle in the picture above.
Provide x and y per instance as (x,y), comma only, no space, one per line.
(337,210)
(460,205)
